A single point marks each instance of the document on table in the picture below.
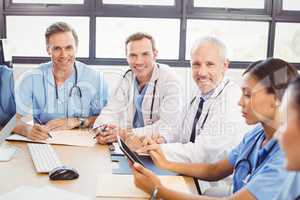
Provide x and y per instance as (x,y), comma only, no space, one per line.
(122,186)
(64,137)
(45,193)
(118,151)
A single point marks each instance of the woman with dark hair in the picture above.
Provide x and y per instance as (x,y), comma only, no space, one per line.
(256,163)
(289,140)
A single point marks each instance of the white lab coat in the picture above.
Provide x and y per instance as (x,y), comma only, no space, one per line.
(223,130)
(120,109)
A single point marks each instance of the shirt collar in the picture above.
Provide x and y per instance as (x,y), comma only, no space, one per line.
(138,88)
(50,76)
(217,90)
(208,95)
(268,147)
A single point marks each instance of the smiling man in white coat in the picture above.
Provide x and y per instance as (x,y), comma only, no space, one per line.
(148,98)
(212,123)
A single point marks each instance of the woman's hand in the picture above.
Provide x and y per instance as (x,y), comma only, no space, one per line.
(156,154)
(144,178)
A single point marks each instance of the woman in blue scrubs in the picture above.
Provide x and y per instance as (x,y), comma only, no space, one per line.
(7,100)
(289,139)
(256,163)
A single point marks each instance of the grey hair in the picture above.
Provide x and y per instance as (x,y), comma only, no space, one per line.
(211,40)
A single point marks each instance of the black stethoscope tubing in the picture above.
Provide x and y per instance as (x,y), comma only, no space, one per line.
(153,93)
(74,87)
(258,162)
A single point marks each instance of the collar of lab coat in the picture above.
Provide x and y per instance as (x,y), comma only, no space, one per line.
(154,76)
(219,88)
(155,73)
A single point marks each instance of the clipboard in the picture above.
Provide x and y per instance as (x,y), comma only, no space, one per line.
(122,166)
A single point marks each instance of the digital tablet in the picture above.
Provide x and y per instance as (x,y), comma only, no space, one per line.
(133,157)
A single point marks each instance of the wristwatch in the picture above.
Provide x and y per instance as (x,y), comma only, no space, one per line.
(82,122)
(154,194)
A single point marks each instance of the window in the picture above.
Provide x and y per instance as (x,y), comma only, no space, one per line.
(291,5)
(257,4)
(20,28)
(141,2)
(244,44)
(252,29)
(287,42)
(112,32)
(49,1)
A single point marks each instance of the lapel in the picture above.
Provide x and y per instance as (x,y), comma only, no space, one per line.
(146,105)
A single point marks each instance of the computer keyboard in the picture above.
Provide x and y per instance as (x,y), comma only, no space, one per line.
(43,157)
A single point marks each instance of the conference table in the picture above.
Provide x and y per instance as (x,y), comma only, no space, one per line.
(89,161)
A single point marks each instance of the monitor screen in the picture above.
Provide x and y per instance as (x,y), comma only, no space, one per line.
(7,97)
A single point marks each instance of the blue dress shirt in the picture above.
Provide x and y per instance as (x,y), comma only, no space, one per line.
(263,174)
(7,100)
(36,94)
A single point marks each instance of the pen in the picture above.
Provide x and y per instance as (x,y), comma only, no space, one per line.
(40,123)
(102,129)
(50,136)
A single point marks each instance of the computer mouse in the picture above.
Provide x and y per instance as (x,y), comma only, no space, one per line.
(63,173)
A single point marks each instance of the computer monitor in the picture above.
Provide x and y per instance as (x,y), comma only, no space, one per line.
(7,105)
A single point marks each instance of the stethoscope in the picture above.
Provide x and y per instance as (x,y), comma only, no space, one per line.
(206,116)
(250,168)
(73,89)
(153,95)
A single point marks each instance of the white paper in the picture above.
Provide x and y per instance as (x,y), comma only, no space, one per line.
(21,193)
(122,186)
(44,193)
(64,137)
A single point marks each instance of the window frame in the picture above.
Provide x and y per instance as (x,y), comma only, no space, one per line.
(281,15)
(183,10)
(224,13)
(25,8)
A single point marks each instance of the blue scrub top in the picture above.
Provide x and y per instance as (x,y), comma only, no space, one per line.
(265,178)
(138,120)
(36,95)
(7,100)
(291,187)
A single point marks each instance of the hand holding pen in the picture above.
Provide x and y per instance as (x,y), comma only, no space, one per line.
(100,130)
(105,134)
(39,131)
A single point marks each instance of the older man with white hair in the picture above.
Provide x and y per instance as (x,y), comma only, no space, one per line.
(212,124)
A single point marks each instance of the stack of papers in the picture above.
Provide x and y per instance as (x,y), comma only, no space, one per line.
(122,186)
(45,193)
